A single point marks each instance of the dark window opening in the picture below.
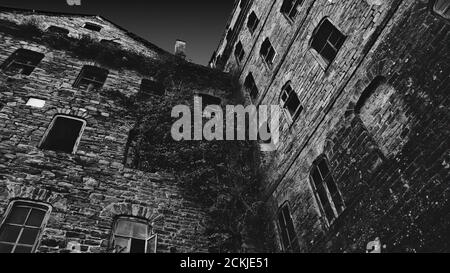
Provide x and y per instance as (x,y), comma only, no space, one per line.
(110,43)
(326,190)
(91,77)
(288,235)
(151,87)
(290,101)
(92,27)
(132,235)
(442,8)
(20,231)
(63,135)
(327,40)
(58,30)
(290,8)
(267,52)
(252,22)
(250,85)
(22,61)
(239,52)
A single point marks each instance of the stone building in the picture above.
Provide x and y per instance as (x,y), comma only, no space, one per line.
(64,182)
(363,160)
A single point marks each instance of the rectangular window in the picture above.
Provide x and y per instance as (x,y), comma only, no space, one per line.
(239,52)
(110,43)
(20,231)
(58,30)
(267,52)
(91,78)
(442,8)
(92,26)
(290,102)
(22,61)
(327,40)
(132,235)
(252,22)
(290,8)
(326,189)
(288,235)
(64,134)
(250,85)
(151,87)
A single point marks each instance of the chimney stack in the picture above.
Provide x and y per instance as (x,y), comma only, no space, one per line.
(180,48)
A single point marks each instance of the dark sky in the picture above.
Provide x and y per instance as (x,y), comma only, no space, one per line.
(199,22)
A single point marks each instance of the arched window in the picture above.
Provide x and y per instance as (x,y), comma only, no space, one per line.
(288,236)
(21,229)
(133,235)
(326,190)
(442,8)
(63,134)
(290,102)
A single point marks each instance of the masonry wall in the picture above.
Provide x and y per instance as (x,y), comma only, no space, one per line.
(89,189)
(388,154)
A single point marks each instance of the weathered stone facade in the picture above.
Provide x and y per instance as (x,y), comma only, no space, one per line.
(378,114)
(88,189)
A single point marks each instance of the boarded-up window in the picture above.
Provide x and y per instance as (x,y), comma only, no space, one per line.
(22,61)
(20,231)
(382,111)
(287,230)
(63,134)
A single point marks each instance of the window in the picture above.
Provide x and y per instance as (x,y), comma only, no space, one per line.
(250,85)
(92,27)
(133,235)
(22,61)
(58,30)
(290,8)
(288,236)
(239,52)
(110,43)
(151,87)
(267,52)
(290,102)
(20,230)
(252,22)
(327,40)
(326,190)
(91,77)
(64,134)
(442,8)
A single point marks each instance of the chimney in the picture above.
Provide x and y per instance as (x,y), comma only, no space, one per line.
(180,48)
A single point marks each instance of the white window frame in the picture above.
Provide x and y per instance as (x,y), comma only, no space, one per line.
(150,235)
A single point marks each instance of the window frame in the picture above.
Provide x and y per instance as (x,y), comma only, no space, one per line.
(336,213)
(239,54)
(85,69)
(12,59)
(50,127)
(150,234)
(295,7)
(283,103)
(252,27)
(270,63)
(324,62)
(58,30)
(432,5)
(93,26)
(292,241)
(250,80)
(33,205)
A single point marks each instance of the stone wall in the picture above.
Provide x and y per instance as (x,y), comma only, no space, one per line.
(87,190)
(388,153)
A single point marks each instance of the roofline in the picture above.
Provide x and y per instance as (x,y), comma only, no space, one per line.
(127,32)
